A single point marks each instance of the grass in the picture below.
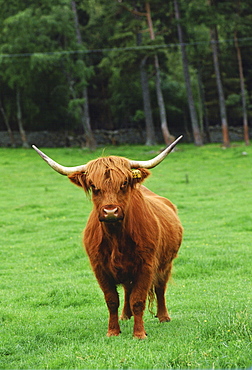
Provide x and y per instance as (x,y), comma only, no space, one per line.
(52,312)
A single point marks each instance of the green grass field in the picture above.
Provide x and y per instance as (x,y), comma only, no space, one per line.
(52,312)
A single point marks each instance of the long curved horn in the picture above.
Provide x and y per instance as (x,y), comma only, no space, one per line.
(57,167)
(155,161)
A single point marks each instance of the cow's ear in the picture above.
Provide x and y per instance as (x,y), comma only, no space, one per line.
(144,173)
(140,174)
(79,179)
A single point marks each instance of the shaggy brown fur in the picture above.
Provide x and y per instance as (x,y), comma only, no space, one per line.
(136,249)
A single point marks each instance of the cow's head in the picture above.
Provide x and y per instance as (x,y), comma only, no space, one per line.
(110,179)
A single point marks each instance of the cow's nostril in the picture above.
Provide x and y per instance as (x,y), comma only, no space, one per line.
(110,212)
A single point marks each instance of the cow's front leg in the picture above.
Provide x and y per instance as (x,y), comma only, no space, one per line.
(137,303)
(138,310)
(112,300)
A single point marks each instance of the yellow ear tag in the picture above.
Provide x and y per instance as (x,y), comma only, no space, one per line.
(136,174)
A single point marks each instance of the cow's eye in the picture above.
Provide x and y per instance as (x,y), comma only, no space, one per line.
(124,185)
(95,190)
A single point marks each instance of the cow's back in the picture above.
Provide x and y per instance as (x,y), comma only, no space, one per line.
(170,228)
(148,193)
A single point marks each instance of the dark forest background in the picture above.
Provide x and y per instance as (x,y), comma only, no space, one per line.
(175,66)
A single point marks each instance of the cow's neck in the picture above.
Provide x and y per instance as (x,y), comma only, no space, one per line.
(112,229)
(115,237)
(117,249)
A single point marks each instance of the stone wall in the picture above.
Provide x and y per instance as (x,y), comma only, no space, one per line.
(105,137)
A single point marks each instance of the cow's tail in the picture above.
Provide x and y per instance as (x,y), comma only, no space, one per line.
(151,299)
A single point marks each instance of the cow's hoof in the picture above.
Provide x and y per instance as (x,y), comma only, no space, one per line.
(164,319)
(123,316)
(113,333)
(142,335)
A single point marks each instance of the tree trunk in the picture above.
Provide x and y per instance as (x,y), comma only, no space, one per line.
(20,123)
(6,121)
(76,22)
(150,132)
(222,103)
(243,91)
(194,120)
(168,138)
(90,140)
(204,107)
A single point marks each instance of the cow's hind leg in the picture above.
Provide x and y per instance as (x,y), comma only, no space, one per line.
(162,312)
(160,288)
(126,312)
